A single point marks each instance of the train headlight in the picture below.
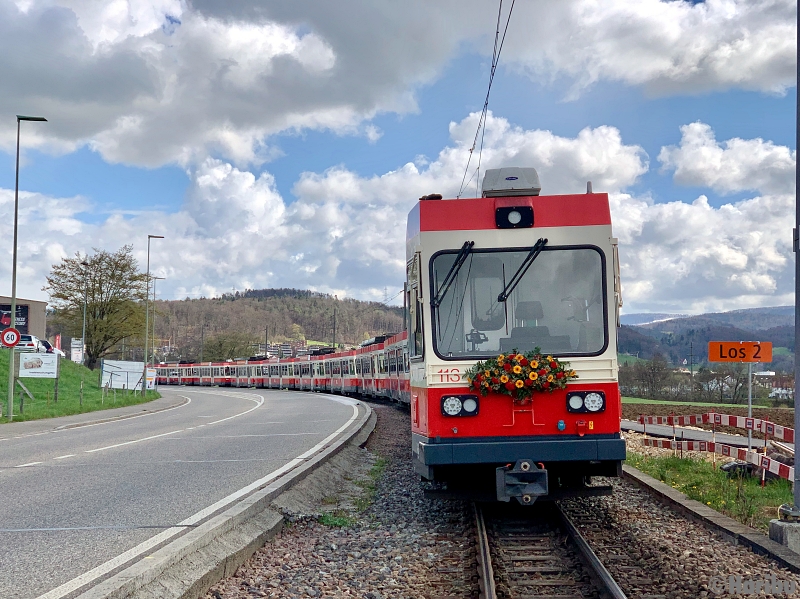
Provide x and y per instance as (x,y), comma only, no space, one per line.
(514,217)
(593,402)
(586,401)
(451,406)
(575,402)
(460,405)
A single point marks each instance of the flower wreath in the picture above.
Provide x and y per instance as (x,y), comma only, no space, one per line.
(520,375)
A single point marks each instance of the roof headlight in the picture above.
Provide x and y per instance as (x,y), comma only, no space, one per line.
(514,217)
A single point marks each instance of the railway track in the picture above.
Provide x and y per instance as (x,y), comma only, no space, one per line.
(526,554)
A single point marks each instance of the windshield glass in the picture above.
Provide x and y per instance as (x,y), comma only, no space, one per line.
(558,305)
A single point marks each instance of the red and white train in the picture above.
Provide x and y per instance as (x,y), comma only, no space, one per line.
(512,270)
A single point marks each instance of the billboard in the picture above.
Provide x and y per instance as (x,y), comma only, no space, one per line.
(118,374)
(76,351)
(21,320)
(38,366)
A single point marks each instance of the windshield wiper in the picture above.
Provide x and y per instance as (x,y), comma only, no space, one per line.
(523,268)
(452,273)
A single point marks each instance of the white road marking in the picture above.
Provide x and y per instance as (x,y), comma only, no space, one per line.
(132,442)
(103,569)
(28,464)
(64,457)
(259,402)
(62,430)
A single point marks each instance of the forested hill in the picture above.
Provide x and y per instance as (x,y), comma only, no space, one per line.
(288,314)
(675,338)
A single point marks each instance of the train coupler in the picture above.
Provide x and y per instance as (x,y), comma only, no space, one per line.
(525,482)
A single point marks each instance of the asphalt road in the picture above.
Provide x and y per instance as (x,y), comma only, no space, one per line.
(71,500)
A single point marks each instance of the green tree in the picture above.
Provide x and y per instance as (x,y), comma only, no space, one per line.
(114,290)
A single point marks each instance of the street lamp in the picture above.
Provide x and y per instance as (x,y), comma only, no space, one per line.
(85,264)
(147,312)
(154,314)
(13,323)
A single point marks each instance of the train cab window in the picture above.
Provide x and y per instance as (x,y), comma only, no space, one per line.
(414,316)
(556,302)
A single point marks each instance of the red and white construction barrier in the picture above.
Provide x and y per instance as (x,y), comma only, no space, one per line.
(770,429)
(751,457)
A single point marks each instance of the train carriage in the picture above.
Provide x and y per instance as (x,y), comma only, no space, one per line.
(506,273)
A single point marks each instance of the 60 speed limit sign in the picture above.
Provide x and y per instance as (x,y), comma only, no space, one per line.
(9,337)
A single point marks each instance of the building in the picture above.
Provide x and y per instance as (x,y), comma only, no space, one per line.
(31,316)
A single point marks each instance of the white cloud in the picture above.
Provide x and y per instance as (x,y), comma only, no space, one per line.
(167,81)
(345,233)
(736,165)
(667,47)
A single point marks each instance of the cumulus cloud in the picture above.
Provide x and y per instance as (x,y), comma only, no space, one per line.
(736,165)
(668,47)
(169,81)
(345,233)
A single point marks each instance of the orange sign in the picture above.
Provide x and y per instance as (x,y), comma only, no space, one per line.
(739,351)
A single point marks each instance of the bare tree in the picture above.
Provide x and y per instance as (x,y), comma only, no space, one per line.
(114,291)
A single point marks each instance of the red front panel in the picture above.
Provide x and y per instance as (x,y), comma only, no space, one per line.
(499,416)
(549,211)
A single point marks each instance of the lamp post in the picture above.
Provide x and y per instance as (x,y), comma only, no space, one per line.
(154,314)
(147,313)
(13,323)
(85,264)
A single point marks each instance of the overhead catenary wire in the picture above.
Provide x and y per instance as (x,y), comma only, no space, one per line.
(481,129)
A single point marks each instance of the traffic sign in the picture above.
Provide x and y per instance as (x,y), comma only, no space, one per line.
(9,337)
(739,351)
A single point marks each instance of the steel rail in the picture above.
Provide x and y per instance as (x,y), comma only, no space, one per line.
(485,570)
(610,585)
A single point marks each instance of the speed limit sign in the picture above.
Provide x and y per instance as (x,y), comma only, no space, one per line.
(9,337)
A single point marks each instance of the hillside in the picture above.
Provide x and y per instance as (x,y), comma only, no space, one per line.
(676,337)
(288,314)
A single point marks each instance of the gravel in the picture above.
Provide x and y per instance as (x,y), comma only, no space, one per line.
(406,545)
(652,551)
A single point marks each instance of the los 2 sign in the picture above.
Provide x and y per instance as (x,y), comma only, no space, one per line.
(739,351)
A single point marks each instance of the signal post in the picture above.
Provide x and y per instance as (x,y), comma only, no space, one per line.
(742,351)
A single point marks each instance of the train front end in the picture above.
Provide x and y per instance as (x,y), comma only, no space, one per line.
(505,276)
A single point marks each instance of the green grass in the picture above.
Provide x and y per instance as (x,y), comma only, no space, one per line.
(740,498)
(370,485)
(69,386)
(627,359)
(781,351)
(639,400)
(338,519)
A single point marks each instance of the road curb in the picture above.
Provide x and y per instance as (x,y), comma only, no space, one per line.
(64,427)
(187,566)
(732,531)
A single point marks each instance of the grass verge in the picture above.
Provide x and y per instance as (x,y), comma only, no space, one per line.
(741,498)
(640,400)
(368,487)
(69,393)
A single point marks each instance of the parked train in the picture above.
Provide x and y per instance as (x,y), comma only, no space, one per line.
(506,274)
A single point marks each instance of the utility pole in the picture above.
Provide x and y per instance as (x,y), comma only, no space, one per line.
(266,340)
(202,340)
(334,327)
(691,369)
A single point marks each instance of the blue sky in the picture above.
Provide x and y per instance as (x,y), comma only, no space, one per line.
(289,157)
